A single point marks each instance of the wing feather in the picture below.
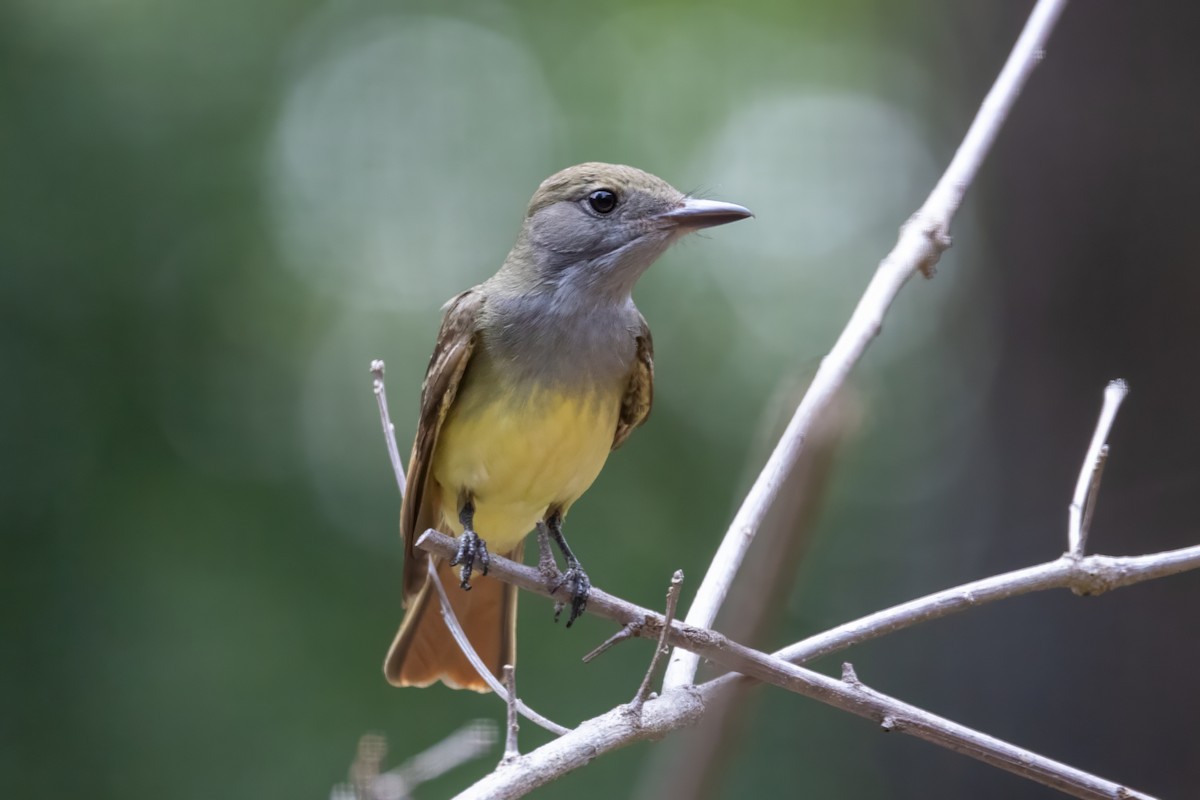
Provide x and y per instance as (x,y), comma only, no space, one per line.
(420,509)
(639,394)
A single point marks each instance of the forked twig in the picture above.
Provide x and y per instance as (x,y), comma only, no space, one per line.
(660,648)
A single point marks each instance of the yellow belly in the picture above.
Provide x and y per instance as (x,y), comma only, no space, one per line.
(519,455)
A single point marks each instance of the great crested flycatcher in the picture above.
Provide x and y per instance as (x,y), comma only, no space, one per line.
(537,374)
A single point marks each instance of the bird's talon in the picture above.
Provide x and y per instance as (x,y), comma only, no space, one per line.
(578,584)
(470,548)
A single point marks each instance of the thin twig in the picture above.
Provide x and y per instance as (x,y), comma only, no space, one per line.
(389,430)
(922,240)
(468,650)
(628,631)
(660,649)
(511,753)
(1088,484)
(1089,508)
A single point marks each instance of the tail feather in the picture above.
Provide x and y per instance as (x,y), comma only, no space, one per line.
(424,651)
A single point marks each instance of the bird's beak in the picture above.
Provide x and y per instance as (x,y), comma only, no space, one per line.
(694,214)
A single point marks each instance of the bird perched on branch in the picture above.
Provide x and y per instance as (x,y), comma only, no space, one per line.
(537,374)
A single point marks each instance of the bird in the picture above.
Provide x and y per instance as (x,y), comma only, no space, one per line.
(537,374)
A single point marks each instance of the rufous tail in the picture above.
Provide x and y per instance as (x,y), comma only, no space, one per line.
(424,650)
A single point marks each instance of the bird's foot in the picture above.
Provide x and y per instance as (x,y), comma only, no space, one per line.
(578,584)
(471,549)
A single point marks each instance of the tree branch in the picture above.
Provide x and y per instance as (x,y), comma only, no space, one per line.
(609,731)
(677,708)
(922,240)
(1088,576)
(701,756)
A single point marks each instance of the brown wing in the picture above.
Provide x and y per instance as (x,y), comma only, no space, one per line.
(639,394)
(420,509)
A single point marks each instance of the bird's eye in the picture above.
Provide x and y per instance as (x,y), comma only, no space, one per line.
(602,201)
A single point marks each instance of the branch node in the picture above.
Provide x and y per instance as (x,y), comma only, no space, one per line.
(937,234)
(1093,576)
(849,675)
(889,724)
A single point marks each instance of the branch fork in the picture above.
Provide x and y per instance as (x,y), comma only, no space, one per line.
(660,649)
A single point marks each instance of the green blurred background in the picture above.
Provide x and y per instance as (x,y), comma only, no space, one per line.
(213,215)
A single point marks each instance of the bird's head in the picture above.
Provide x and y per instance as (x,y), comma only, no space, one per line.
(597,227)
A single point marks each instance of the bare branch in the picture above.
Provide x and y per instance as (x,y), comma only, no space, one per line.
(389,430)
(510,740)
(660,649)
(922,240)
(468,650)
(894,716)
(609,731)
(1083,502)
(703,754)
(676,708)
(1088,576)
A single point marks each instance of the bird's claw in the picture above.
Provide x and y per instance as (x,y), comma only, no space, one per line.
(578,584)
(471,549)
